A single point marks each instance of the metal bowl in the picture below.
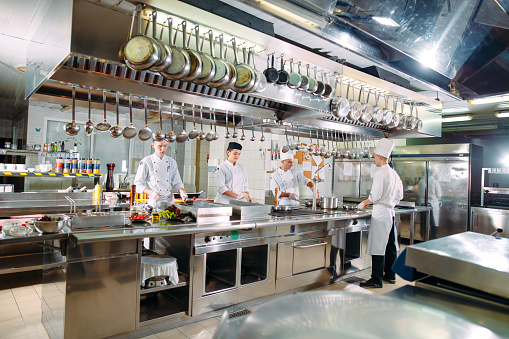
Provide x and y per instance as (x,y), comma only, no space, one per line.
(54,226)
(281,208)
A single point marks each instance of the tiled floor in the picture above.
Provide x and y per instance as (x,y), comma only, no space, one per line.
(20,307)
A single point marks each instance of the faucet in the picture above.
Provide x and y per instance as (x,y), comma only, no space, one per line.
(316,180)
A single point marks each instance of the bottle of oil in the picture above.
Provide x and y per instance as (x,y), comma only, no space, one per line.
(155,215)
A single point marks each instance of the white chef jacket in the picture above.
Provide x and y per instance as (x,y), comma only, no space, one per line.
(287,182)
(230,178)
(158,174)
(386,192)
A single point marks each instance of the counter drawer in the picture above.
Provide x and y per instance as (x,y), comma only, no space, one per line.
(309,255)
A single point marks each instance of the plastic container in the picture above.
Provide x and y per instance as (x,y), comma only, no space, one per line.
(97,166)
(59,166)
(90,166)
(74,166)
(67,165)
(82,165)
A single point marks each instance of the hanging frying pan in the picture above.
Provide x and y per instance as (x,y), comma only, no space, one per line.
(271,74)
(320,86)
(304,80)
(233,71)
(142,51)
(282,74)
(180,64)
(340,106)
(165,50)
(246,77)
(208,65)
(355,106)
(194,57)
(222,75)
(312,85)
(294,78)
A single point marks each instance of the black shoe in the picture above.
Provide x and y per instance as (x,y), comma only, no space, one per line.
(370,283)
(390,281)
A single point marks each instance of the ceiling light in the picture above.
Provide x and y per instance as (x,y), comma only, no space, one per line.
(489,100)
(457,118)
(502,115)
(469,128)
(385,21)
(455,110)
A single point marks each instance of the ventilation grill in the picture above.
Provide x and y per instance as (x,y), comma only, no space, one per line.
(237,314)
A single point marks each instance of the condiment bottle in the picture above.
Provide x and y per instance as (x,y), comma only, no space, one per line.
(276,195)
(155,215)
(59,167)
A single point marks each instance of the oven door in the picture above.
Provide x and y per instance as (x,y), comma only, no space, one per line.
(309,255)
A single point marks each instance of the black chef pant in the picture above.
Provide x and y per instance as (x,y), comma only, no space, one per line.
(383,263)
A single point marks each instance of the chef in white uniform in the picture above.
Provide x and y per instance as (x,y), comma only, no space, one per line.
(386,192)
(231,177)
(156,176)
(287,181)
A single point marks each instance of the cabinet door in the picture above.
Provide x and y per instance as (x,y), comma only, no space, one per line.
(101,297)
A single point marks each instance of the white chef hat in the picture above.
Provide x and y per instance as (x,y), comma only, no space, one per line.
(384,147)
(286,156)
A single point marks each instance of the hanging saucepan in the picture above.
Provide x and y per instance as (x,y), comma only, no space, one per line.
(327,93)
(282,74)
(145,133)
(260,78)
(160,136)
(233,72)
(312,85)
(180,64)
(388,113)
(121,52)
(395,115)
(165,50)
(194,133)
(130,131)
(71,128)
(367,109)
(171,136)
(402,118)
(103,126)
(340,106)
(293,78)
(246,77)
(196,65)
(116,131)
(304,80)
(182,136)
(378,112)
(271,73)
(222,75)
(320,86)
(412,121)
(355,106)
(89,125)
(420,124)
(208,70)
(142,51)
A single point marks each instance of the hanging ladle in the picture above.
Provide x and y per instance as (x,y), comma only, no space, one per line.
(216,136)
(201,136)
(252,131)
(227,135)
(103,126)
(145,133)
(89,125)
(210,135)
(328,153)
(262,139)
(234,135)
(243,136)
(311,147)
(116,131)
(71,128)
(286,147)
(182,136)
(160,136)
(194,133)
(130,131)
(171,136)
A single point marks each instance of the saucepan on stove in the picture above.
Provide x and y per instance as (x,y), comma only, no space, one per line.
(282,208)
(329,202)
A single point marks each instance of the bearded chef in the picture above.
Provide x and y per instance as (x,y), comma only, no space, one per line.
(287,180)
(386,192)
(157,174)
(231,177)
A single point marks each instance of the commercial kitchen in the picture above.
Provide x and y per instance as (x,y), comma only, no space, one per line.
(90,88)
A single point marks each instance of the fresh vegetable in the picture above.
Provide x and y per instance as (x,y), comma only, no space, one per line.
(172,212)
(139,217)
(44,218)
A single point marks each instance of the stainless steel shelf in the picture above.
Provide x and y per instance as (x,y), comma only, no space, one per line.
(182,282)
(29,262)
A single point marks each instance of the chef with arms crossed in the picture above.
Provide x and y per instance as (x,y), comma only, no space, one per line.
(231,177)
(157,174)
(386,192)
(287,180)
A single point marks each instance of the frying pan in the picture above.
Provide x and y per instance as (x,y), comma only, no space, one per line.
(260,78)
(165,50)
(196,65)
(222,75)
(340,106)
(327,92)
(395,115)
(320,86)
(246,77)
(412,121)
(312,85)
(142,51)
(233,71)
(180,64)
(208,65)
(367,109)
(271,74)
(387,117)
(378,112)
(294,79)
(304,80)
(402,118)
(355,107)
(282,74)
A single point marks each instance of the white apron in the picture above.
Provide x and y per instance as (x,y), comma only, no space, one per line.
(379,230)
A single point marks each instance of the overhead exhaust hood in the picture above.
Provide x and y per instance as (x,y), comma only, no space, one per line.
(78,42)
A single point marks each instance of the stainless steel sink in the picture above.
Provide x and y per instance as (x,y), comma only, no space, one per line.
(96,220)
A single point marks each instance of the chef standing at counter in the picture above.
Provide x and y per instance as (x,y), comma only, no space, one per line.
(157,174)
(386,192)
(231,177)
(287,180)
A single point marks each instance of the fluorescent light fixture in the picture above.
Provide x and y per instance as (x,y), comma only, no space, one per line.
(455,110)
(489,100)
(458,118)
(383,20)
(428,57)
(502,115)
(505,161)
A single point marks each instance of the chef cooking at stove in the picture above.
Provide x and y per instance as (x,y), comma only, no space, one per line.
(287,180)
(156,176)
(231,177)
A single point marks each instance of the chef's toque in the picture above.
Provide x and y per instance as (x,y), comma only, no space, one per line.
(384,147)
(286,156)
